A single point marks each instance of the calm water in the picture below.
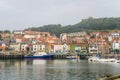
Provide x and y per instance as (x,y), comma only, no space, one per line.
(55,70)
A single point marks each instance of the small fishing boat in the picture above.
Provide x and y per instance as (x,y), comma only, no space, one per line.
(117,61)
(93,59)
(97,59)
(39,55)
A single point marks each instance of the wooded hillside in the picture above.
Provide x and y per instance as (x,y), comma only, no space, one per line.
(86,25)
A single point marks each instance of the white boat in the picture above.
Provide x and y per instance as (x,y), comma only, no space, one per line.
(93,59)
(107,60)
(117,61)
(97,59)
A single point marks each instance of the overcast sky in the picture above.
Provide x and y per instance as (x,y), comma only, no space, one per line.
(21,14)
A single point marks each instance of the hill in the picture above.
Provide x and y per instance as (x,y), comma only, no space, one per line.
(89,24)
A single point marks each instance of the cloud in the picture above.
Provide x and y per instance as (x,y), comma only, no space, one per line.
(20,14)
(4,6)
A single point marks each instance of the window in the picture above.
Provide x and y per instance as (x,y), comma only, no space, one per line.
(0,49)
(34,49)
(40,48)
(45,35)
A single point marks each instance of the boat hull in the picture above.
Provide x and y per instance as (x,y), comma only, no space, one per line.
(39,57)
(96,59)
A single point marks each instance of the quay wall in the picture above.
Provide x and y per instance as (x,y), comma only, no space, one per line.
(4,57)
(63,56)
(57,56)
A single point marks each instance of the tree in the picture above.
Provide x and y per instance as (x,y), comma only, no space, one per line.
(90,24)
(7,31)
(0,37)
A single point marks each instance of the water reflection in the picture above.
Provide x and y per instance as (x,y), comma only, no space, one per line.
(55,70)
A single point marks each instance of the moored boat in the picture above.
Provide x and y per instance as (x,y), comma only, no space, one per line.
(93,59)
(97,59)
(39,55)
(117,61)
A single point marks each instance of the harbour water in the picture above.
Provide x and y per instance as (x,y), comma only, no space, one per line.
(55,70)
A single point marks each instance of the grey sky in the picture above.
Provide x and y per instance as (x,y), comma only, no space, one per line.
(21,14)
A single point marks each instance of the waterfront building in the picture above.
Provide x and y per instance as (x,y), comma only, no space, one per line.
(80,48)
(38,47)
(95,42)
(93,48)
(2,47)
(23,47)
(104,47)
(99,45)
(57,48)
(15,47)
(115,45)
(66,47)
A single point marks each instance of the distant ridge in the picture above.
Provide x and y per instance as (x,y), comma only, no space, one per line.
(90,24)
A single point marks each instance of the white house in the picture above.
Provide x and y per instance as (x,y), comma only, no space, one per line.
(24,46)
(93,48)
(18,32)
(57,48)
(38,47)
(29,36)
(66,47)
(115,34)
(63,37)
(116,44)
(18,40)
(2,47)
(15,46)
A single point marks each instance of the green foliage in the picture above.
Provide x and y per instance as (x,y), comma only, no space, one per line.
(1,31)
(90,24)
(7,31)
(0,37)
